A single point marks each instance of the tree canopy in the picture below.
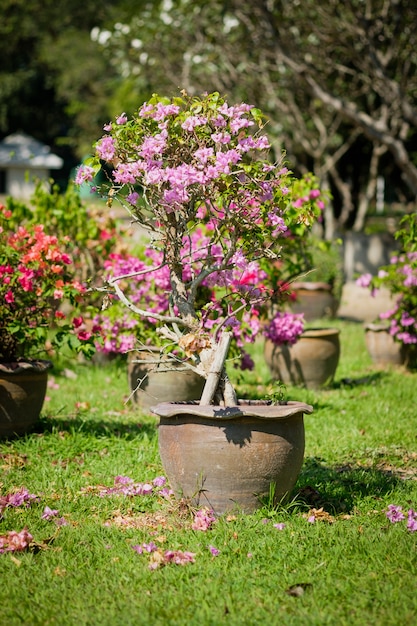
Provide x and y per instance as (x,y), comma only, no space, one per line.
(338,81)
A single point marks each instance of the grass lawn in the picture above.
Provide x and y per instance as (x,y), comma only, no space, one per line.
(330,556)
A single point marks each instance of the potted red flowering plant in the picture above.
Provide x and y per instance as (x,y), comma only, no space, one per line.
(189,163)
(35,281)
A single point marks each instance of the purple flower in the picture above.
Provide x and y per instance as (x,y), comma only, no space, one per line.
(279,526)
(19,498)
(285,328)
(364,280)
(122,119)
(394,513)
(214,551)
(203,519)
(48,513)
(159,481)
(412,521)
(84,174)
(166,493)
(145,547)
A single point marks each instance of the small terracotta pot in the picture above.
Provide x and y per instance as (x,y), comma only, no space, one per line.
(311,362)
(154,378)
(315,300)
(22,394)
(384,350)
(231,458)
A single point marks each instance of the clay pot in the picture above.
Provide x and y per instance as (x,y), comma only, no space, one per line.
(155,378)
(232,458)
(314,299)
(22,394)
(311,362)
(384,350)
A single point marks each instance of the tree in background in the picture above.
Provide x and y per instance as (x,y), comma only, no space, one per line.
(54,81)
(337,79)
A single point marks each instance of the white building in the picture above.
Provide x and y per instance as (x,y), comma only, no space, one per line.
(24,161)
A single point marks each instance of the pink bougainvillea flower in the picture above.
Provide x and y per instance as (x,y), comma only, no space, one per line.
(159,481)
(48,513)
(122,119)
(179,557)
(412,521)
(395,514)
(279,526)
(14,541)
(22,497)
(203,519)
(214,551)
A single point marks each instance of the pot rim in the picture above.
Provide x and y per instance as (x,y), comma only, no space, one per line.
(262,409)
(377,327)
(25,365)
(311,333)
(312,286)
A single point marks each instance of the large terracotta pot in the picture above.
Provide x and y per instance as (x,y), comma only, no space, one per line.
(154,378)
(314,299)
(384,350)
(311,362)
(232,458)
(22,394)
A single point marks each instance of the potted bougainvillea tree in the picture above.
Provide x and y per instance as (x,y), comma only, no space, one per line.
(197,176)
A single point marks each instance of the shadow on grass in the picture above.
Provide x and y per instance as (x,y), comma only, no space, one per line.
(339,488)
(134,429)
(251,390)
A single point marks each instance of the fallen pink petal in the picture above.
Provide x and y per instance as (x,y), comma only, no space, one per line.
(179,557)
(395,514)
(14,541)
(203,520)
(49,513)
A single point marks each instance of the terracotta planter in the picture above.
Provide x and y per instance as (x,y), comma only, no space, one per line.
(384,350)
(22,394)
(165,381)
(315,300)
(230,458)
(311,362)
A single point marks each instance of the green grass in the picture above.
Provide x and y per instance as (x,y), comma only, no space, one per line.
(354,567)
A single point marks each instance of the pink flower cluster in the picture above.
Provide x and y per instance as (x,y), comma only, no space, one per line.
(285,328)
